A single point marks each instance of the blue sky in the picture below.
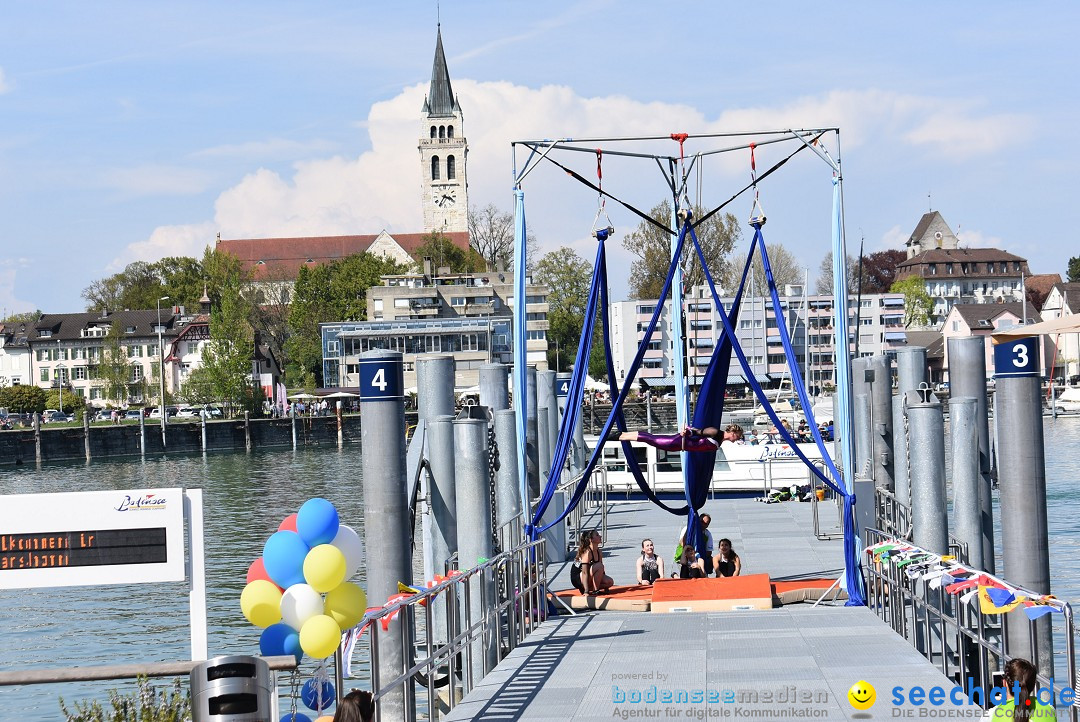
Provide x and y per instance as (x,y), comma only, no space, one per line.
(133,130)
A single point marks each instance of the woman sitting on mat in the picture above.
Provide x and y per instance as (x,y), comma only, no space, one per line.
(691,439)
(691,566)
(650,567)
(587,571)
(726,562)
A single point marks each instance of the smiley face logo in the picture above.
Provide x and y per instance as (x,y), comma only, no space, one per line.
(862,695)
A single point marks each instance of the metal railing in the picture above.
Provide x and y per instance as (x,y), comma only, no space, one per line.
(969,646)
(503,620)
(595,496)
(893,518)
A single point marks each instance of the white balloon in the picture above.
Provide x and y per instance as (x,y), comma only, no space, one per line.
(352,546)
(299,603)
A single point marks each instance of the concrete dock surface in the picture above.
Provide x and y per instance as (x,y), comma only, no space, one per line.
(795,662)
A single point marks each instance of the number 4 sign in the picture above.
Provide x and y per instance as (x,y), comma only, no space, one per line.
(381,378)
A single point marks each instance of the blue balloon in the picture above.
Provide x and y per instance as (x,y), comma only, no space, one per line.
(283,557)
(309,695)
(317,522)
(298,717)
(280,639)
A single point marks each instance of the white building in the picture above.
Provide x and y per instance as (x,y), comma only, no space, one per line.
(879,320)
(1064,300)
(15,360)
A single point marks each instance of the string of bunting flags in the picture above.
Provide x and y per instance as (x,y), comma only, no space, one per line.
(945,572)
(352,636)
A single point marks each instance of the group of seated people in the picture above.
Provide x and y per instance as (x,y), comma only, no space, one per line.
(588,575)
(711,438)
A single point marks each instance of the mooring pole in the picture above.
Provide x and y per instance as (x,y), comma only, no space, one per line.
(86,431)
(964,442)
(927,433)
(545,399)
(507,486)
(1022,489)
(494,392)
(474,514)
(880,387)
(910,375)
(967,378)
(386,505)
(247,431)
(292,420)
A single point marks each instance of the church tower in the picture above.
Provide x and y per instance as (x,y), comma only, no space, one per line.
(444,190)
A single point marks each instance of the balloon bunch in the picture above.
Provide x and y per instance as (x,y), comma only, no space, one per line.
(311,555)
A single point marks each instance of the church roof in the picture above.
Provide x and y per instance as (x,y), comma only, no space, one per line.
(281,258)
(924,225)
(440,99)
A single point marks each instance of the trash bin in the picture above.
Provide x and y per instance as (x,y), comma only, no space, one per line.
(232,689)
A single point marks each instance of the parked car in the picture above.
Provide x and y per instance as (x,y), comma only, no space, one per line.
(56,418)
(214,412)
(133,414)
(187,412)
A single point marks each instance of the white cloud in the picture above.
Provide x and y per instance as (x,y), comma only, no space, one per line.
(181,240)
(895,237)
(380,188)
(977,239)
(5,86)
(153,180)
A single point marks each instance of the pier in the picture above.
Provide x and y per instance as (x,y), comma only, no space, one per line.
(797,661)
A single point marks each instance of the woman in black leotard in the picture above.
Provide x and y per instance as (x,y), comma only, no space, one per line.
(726,562)
(587,571)
(650,567)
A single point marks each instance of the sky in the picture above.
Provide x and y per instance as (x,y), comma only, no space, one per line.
(134,130)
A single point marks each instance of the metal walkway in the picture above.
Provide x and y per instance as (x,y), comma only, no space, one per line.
(796,662)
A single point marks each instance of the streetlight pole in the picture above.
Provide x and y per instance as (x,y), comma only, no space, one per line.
(59,377)
(161,370)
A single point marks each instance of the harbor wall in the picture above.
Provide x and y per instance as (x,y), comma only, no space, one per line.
(108,441)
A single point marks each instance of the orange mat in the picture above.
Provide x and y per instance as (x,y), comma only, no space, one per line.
(712,594)
(728,592)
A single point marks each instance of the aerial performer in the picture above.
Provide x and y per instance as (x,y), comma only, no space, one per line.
(691,439)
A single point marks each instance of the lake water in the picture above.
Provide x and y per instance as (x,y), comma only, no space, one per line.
(245,497)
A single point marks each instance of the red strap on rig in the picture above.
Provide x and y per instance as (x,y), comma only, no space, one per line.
(681,137)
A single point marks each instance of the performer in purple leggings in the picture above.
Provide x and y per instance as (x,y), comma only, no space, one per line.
(689,440)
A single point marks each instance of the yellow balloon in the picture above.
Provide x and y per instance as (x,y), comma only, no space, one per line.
(346,604)
(261,603)
(320,636)
(324,567)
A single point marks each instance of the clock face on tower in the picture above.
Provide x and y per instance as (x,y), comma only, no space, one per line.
(444,197)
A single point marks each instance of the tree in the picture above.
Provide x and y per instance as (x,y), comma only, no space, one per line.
(141,284)
(917,302)
(445,253)
(785,269)
(227,357)
(27,317)
(491,234)
(23,399)
(568,275)
(652,246)
(1073,275)
(824,285)
(333,292)
(880,268)
(115,368)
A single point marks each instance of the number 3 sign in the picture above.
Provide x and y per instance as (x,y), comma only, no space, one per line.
(381,378)
(1017,358)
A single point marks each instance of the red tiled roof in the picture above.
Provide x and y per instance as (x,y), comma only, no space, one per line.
(281,258)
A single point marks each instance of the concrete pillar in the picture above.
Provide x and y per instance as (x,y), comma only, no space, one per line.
(507,486)
(910,374)
(247,432)
(927,433)
(863,440)
(86,431)
(340,433)
(494,392)
(292,423)
(386,508)
(142,434)
(37,437)
(473,500)
(545,399)
(435,386)
(202,431)
(967,378)
(532,450)
(1022,490)
(881,417)
(544,452)
(964,442)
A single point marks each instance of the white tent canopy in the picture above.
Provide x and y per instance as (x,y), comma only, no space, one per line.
(1062,324)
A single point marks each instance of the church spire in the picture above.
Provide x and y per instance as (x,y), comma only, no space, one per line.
(440,99)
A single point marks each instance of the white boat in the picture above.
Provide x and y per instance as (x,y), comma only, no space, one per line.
(738,467)
(1068,400)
